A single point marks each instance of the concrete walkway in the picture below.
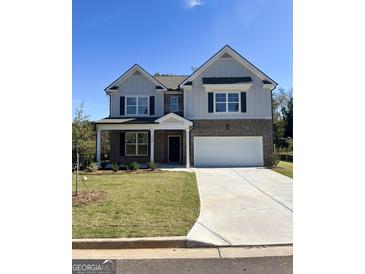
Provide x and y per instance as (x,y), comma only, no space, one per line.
(243,206)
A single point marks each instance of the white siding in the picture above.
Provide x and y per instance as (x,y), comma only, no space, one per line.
(258,99)
(137,85)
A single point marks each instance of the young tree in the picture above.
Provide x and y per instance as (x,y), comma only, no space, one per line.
(83,138)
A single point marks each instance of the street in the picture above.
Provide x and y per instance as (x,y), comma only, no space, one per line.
(257,265)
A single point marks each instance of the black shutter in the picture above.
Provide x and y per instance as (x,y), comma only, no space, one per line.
(243,102)
(121,104)
(152,105)
(210,102)
(122,144)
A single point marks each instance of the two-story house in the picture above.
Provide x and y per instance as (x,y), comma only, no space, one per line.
(220,115)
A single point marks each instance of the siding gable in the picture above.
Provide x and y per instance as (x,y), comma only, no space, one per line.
(137,85)
(255,103)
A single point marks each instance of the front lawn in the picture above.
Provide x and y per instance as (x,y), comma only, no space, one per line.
(285,168)
(144,204)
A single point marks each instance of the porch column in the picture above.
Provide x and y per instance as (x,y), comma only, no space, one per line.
(98,145)
(152,147)
(187,148)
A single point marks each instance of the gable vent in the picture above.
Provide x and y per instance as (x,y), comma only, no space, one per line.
(137,73)
(226,55)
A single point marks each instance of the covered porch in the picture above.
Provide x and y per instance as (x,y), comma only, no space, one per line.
(164,140)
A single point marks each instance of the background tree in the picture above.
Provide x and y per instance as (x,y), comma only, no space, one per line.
(288,119)
(83,137)
(283,117)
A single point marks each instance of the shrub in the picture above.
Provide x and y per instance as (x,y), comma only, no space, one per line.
(94,166)
(134,166)
(115,167)
(152,165)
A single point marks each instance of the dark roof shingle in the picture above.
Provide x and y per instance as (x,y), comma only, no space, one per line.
(171,82)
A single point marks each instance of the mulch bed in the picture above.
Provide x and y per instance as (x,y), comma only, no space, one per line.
(122,171)
(86,197)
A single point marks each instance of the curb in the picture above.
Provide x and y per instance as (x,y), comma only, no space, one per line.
(123,243)
(154,242)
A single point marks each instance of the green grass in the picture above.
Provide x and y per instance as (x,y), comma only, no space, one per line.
(285,168)
(145,204)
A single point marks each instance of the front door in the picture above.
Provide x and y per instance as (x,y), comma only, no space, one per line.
(174,149)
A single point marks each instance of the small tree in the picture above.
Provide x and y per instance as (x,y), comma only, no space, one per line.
(83,138)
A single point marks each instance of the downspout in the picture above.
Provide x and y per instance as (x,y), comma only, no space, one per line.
(110,105)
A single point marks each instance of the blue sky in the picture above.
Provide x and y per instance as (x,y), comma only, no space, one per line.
(171,36)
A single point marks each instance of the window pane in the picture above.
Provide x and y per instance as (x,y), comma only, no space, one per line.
(131,100)
(131,149)
(131,109)
(142,101)
(219,107)
(130,138)
(232,107)
(142,149)
(232,97)
(174,103)
(142,110)
(173,100)
(220,97)
(142,138)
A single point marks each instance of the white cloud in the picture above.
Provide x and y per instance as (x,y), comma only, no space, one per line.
(194,3)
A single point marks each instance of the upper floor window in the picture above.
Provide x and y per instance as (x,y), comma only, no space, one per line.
(227,102)
(174,103)
(137,105)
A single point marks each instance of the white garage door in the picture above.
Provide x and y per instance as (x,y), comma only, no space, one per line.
(228,151)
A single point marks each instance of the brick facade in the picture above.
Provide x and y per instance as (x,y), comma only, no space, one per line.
(243,127)
(115,150)
(167,104)
(160,147)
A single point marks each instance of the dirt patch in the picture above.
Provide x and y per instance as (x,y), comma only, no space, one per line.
(86,197)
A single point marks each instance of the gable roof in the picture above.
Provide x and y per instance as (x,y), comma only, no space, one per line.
(134,69)
(225,52)
(171,82)
(173,116)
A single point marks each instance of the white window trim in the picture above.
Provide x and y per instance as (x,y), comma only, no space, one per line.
(227,92)
(136,144)
(177,103)
(136,96)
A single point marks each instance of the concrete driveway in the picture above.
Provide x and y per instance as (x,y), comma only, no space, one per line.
(243,206)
